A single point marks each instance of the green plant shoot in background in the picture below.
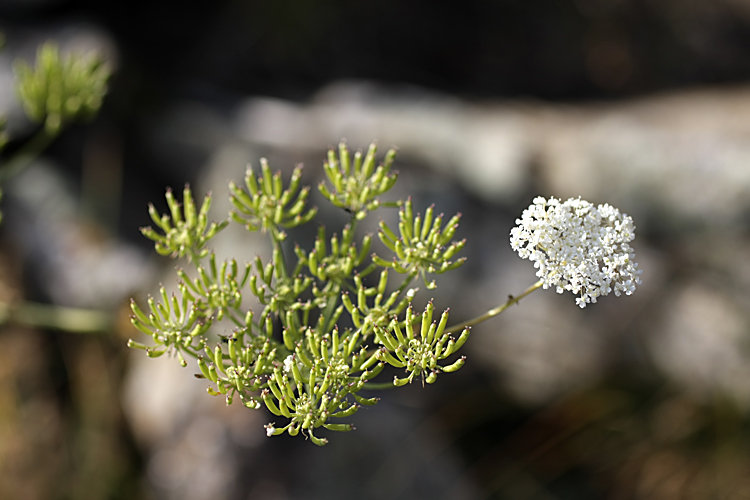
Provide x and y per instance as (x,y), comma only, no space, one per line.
(56,91)
(322,334)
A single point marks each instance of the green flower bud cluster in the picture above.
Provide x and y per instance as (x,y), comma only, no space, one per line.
(173,324)
(420,349)
(186,231)
(326,329)
(367,316)
(61,89)
(267,206)
(424,246)
(55,92)
(357,184)
(339,263)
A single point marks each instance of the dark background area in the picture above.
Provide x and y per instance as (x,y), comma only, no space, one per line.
(553,49)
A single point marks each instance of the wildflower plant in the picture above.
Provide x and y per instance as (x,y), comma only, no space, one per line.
(332,317)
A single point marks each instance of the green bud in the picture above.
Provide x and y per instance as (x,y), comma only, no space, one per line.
(318,441)
(387,356)
(339,427)
(369,375)
(346,413)
(137,345)
(219,358)
(366,401)
(462,338)
(455,366)
(212,375)
(426,321)
(140,326)
(251,403)
(268,400)
(204,368)
(288,340)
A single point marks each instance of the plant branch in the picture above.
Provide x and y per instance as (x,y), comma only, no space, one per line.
(27,154)
(67,319)
(494,312)
(378,386)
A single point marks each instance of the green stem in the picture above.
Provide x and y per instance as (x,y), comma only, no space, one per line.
(407,281)
(190,352)
(26,154)
(193,257)
(378,386)
(369,269)
(353,225)
(68,319)
(280,263)
(349,286)
(234,319)
(494,312)
(331,305)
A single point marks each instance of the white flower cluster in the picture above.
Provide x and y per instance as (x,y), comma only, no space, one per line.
(578,247)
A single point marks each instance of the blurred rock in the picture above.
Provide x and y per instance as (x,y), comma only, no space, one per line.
(73,263)
(702,341)
(485,149)
(684,155)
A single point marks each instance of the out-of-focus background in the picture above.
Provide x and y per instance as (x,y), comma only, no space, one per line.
(644,104)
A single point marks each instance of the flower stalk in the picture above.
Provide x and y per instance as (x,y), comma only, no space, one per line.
(513,299)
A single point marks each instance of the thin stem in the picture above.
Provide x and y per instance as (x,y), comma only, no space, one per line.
(494,312)
(26,154)
(378,386)
(234,319)
(331,305)
(353,224)
(349,286)
(193,257)
(190,352)
(368,270)
(280,263)
(405,284)
(68,319)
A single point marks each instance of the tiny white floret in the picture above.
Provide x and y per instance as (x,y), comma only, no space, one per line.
(578,247)
(288,361)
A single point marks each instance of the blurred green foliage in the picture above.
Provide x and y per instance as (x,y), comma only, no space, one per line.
(61,89)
